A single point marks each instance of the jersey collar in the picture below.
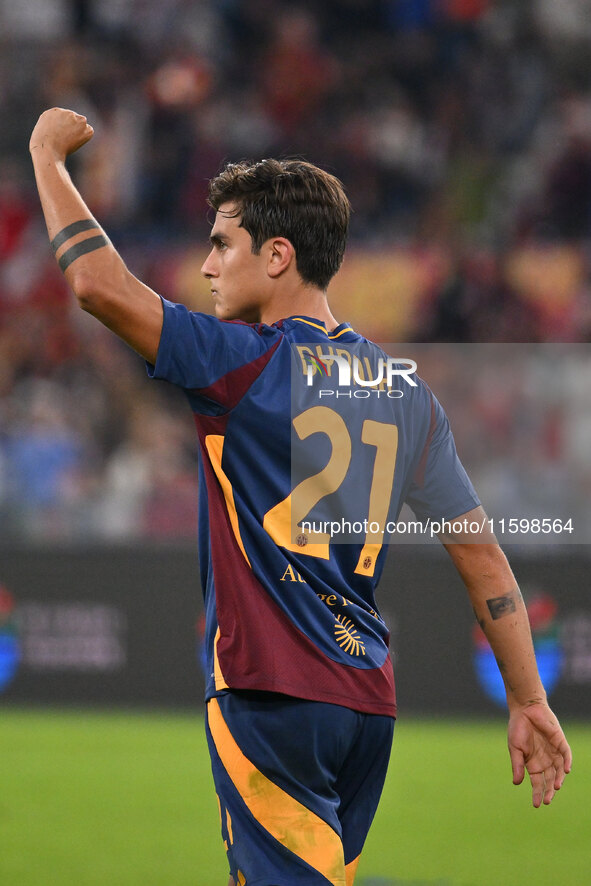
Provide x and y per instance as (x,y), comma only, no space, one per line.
(319,324)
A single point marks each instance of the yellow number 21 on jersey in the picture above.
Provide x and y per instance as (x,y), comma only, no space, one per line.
(283,520)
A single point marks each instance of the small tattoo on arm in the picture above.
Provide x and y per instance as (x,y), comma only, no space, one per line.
(500,606)
(69,231)
(82,248)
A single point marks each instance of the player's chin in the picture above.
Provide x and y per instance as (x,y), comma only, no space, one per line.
(223,312)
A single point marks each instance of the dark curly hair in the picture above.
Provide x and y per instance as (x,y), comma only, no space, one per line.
(292,199)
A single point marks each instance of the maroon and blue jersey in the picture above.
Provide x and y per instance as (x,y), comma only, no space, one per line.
(287,446)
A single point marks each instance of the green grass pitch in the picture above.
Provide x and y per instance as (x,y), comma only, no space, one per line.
(127,799)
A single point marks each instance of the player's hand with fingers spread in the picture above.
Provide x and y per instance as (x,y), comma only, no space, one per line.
(61,132)
(538,744)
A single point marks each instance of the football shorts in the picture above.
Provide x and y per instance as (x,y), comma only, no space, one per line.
(298,784)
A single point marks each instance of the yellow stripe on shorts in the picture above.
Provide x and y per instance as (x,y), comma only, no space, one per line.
(291,823)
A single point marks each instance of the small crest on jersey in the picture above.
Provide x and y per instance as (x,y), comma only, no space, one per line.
(302,540)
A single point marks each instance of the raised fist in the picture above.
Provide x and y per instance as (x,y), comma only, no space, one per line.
(61,132)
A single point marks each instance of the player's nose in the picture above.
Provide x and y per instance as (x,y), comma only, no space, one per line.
(208,266)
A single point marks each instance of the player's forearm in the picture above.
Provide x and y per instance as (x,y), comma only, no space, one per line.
(92,266)
(501,613)
(88,260)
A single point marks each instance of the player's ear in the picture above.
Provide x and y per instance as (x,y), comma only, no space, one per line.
(280,256)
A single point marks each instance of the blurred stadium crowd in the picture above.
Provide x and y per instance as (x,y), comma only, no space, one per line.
(461,129)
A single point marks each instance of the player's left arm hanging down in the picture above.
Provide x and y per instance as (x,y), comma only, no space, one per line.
(93,268)
(496,601)
(536,741)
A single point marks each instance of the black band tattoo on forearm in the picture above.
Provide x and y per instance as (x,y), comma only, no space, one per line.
(71,230)
(81,248)
(500,606)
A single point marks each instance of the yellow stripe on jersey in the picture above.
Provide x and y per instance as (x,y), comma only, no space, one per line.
(322,328)
(337,334)
(310,323)
(215,447)
(291,823)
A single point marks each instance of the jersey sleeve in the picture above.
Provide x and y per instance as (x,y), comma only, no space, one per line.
(197,350)
(441,488)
